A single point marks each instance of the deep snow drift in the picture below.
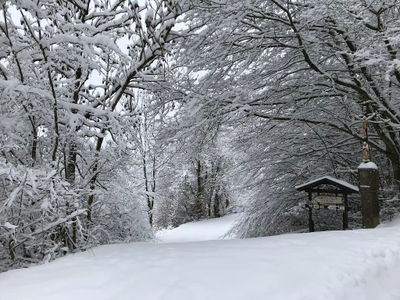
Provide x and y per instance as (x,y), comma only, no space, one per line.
(361,265)
(213,229)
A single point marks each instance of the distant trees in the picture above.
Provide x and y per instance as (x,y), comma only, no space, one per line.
(204,191)
(192,182)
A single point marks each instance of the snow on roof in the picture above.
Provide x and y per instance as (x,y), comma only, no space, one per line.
(330,179)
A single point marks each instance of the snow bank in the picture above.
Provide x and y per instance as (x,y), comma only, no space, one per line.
(213,229)
(336,265)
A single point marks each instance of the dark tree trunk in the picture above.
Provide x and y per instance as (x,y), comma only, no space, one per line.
(200,193)
(217,212)
(34,144)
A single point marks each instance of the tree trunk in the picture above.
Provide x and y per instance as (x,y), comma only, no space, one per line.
(150,202)
(199,204)
(93,180)
(217,212)
(70,167)
(396,172)
(34,144)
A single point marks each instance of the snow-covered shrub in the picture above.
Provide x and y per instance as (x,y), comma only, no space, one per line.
(39,214)
(120,215)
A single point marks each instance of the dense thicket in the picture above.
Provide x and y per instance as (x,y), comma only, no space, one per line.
(69,75)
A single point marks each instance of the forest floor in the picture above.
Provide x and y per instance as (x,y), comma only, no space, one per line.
(357,265)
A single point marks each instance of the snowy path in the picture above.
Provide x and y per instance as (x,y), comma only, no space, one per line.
(208,230)
(359,265)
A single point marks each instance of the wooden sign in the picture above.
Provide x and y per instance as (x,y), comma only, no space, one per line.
(336,207)
(328,200)
(328,206)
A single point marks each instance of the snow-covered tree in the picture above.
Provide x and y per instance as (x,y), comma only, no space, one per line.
(68,72)
(309,71)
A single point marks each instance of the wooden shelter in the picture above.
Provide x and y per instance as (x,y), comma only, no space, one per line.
(327,193)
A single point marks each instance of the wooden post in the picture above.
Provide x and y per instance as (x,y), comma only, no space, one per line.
(369,186)
(345,213)
(310,216)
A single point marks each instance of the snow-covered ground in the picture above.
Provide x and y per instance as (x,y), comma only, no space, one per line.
(357,265)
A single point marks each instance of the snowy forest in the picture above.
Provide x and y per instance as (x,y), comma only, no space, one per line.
(119,118)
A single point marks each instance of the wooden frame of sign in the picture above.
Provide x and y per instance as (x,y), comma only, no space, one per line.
(328,193)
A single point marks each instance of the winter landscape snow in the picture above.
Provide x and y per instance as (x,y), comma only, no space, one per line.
(199,149)
(336,265)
